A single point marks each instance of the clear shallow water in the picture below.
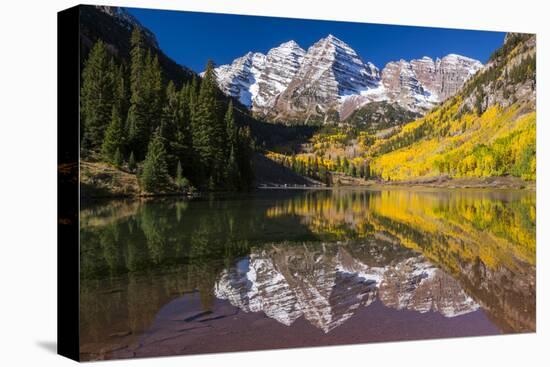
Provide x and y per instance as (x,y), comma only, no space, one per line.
(304,268)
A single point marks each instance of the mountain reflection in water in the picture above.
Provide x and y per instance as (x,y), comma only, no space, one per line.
(176,277)
(326,284)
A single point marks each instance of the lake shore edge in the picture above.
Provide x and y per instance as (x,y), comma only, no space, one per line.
(491,183)
(104,181)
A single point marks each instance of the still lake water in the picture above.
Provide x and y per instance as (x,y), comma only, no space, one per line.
(279,269)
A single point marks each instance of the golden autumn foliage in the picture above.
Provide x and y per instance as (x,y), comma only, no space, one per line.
(499,142)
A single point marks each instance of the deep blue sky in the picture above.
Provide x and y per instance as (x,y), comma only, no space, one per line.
(193,38)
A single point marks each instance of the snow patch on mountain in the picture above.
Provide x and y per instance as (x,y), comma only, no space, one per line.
(240,78)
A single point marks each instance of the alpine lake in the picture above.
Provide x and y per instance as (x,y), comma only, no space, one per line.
(297,268)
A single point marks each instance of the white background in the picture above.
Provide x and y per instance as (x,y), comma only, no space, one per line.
(28,182)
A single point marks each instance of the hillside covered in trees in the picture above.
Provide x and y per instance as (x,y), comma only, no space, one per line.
(171,138)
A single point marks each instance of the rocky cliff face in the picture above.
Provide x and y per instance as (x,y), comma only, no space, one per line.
(401,84)
(509,77)
(330,70)
(240,79)
(255,79)
(281,65)
(444,77)
(330,81)
(422,83)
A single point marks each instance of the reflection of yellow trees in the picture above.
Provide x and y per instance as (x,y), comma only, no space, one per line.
(328,214)
(472,225)
(497,228)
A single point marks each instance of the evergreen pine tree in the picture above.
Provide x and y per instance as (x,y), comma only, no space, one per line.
(132,162)
(117,159)
(231,131)
(169,126)
(181,181)
(243,154)
(205,124)
(144,114)
(322,173)
(192,161)
(362,171)
(96,95)
(154,176)
(233,172)
(120,88)
(353,170)
(114,138)
(183,144)
(366,170)
(232,168)
(137,56)
(194,89)
(137,117)
(153,91)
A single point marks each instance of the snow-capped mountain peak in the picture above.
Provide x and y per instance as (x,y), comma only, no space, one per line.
(289,83)
(255,78)
(282,63)
(240,78)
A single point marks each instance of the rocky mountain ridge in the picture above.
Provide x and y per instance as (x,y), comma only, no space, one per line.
(330,81)
(508,78)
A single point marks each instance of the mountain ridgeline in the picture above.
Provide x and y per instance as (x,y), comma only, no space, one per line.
(330,81)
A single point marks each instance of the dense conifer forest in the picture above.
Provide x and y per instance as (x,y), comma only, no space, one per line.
(136,120)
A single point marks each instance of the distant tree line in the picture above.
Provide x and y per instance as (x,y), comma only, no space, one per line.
(133,119)
(322,169)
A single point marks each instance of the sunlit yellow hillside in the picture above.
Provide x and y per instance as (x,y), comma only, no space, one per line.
(502,141)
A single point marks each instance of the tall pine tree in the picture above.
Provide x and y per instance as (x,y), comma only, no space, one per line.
(204,125)
(114,137)
(136,124)
(144,114)
(230,129)
(96,96)
(232,171)
(154,176)
(168,125)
